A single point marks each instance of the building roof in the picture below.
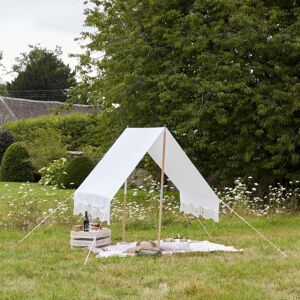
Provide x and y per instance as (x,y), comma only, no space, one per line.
(17,108)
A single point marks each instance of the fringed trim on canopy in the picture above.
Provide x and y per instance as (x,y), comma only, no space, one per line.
(93,211)
(206,213)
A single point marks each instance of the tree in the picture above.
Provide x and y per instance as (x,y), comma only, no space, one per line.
(3,86)
(41,75)
(223,75)
(3,89)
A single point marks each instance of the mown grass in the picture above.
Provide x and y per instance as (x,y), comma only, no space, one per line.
(44,266)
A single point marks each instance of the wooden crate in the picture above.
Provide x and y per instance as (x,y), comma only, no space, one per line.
(84,239)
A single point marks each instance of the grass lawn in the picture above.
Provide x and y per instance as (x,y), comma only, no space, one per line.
(44,266)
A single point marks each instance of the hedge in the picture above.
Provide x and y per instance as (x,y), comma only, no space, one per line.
(77,130)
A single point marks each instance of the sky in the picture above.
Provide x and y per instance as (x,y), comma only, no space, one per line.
(47,22)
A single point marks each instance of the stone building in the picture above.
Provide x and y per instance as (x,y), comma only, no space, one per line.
(16,108)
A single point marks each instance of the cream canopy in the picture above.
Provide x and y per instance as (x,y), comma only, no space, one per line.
(98,189)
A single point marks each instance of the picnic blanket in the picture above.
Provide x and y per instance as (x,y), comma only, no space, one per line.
(166,248)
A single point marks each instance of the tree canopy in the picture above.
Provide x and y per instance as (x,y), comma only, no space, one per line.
(3,88)
(223,75)
(41,75)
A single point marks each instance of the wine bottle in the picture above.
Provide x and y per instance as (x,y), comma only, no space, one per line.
(86,222)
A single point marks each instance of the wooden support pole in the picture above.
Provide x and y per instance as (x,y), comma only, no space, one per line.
(124,211)
(124,216)
(162,179)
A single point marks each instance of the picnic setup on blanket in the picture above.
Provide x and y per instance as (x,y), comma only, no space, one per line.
(95,195)
(167,247)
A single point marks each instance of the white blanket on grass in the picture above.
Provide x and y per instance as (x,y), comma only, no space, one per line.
(166,247)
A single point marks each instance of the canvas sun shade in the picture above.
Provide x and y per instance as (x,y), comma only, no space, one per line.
(98,189)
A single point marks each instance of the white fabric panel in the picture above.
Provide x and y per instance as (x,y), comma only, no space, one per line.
(96,192)
(196,196)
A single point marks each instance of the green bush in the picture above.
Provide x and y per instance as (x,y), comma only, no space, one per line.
(76,171)
(93,153)
(6,139)
(45,148)
(16,165)
(51,175)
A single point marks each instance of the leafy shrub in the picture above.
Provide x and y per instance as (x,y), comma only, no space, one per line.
(37,176)
(6,139)
(93,153)
(76,171)
(51,175)
(45,148)
(16,165)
